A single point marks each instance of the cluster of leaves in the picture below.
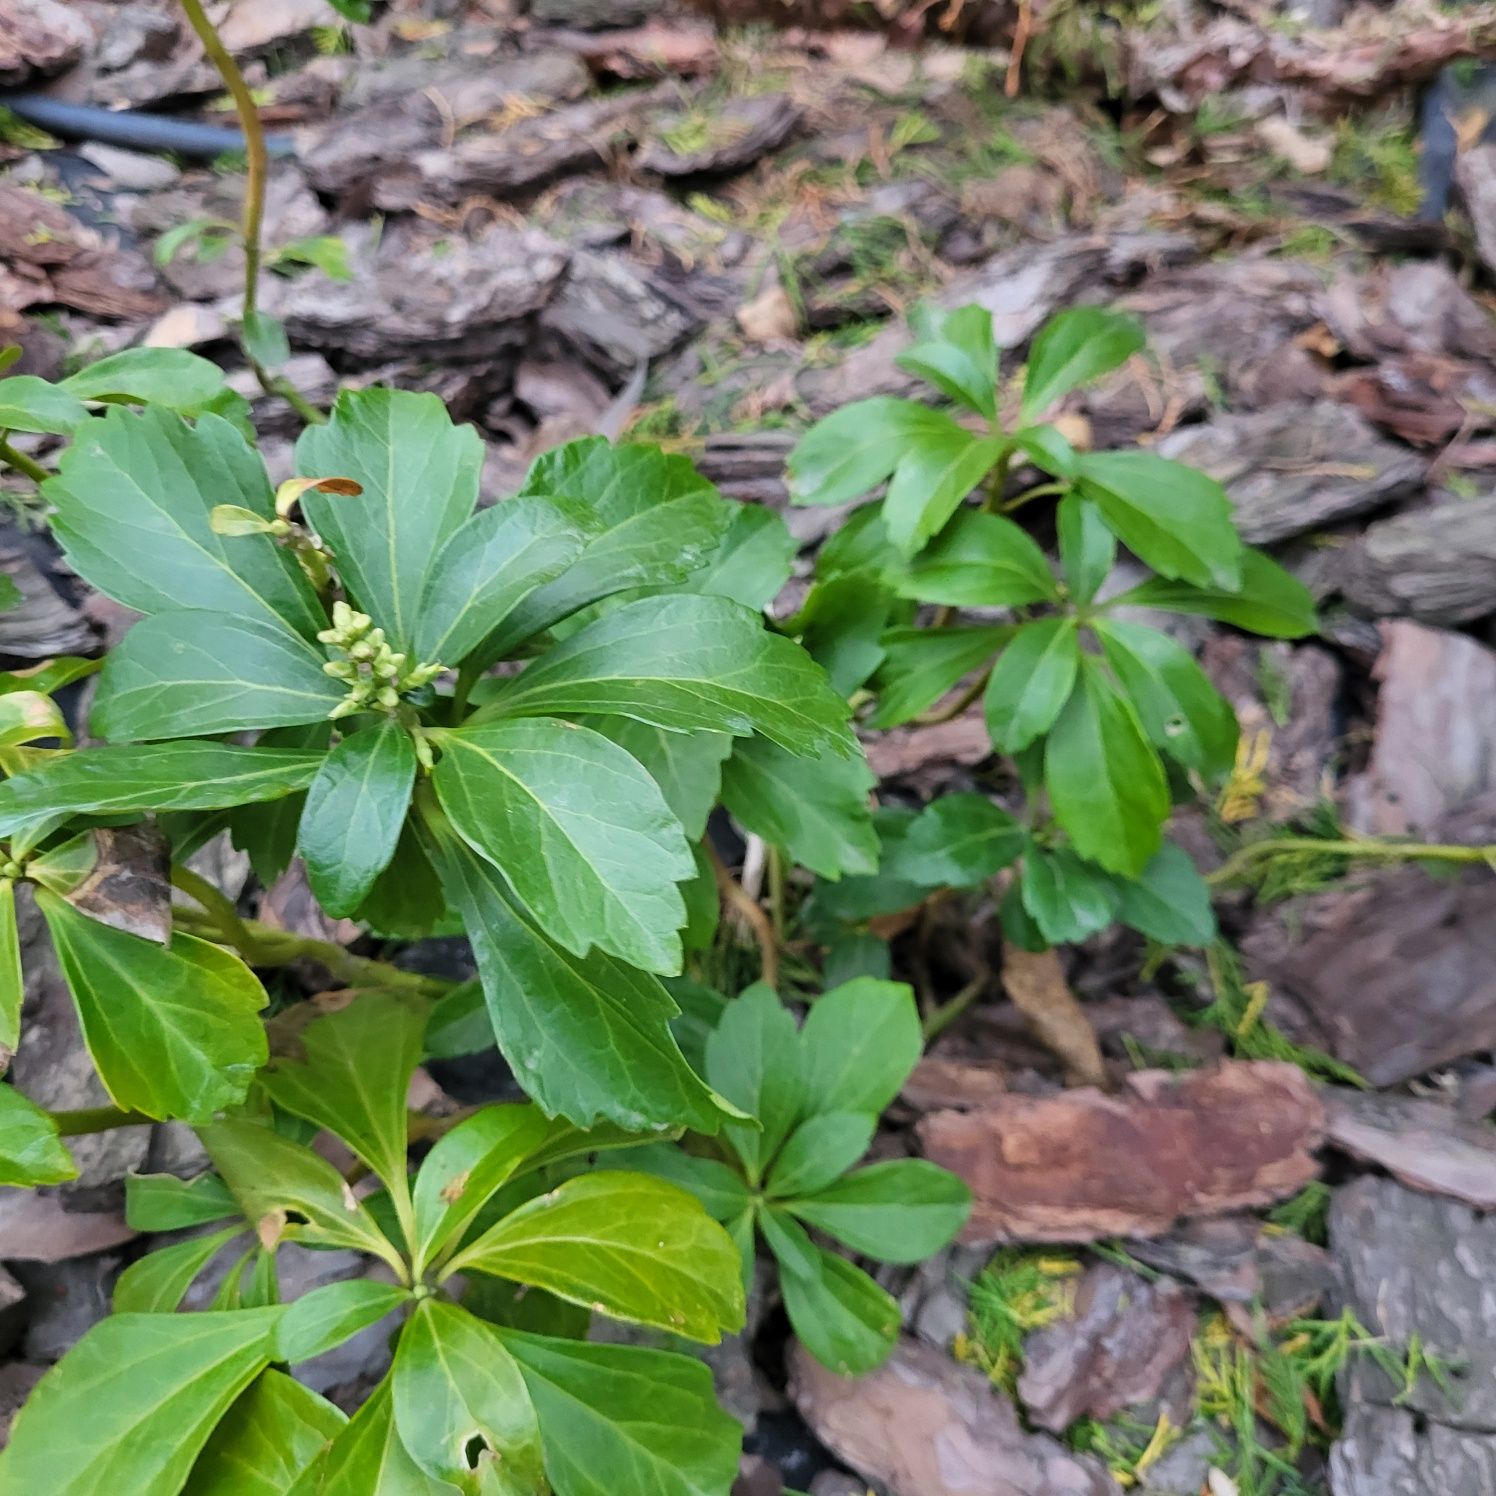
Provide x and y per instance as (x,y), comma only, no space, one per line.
(814,1094)
(490,1395)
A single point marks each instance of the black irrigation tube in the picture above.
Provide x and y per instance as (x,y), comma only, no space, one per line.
(133,129)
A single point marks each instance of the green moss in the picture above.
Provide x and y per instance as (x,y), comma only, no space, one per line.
(1379,158)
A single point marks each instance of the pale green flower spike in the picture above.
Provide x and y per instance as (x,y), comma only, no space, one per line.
(377,676)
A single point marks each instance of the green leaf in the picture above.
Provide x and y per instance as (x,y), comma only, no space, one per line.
(903,1210)
(456,1385)
(265,340)
(323,1319)
(841,626)
(517,1306)
(367,1458)
(1048,448)
(981,561)
(586,1036)
(169,377)
(687,766)
(752,563)
(28,716)
(354,811)
(1270,601)
(174,1032)
(31,404)
(274,1432)
(162,1202)
(819,1151)
(183,674)
(1105,782)
(132,499)
(130,1406)
(468,1165)
(686,663)
(629,1246)
(856,448)
(406,901)
(959,840)
(271,1175)
(1176,701)
(419,474)
(1073,348)
(796,1254)
(753,1059)
(157,1282)
(1174,518)
(842,1317)
(31,1152)
(625,1421)
(920,665)
(933,477)
(358,1061)
(1169,901)
(12,978)
(1067,897)
(958,356)
(887,891)
(1088,549)
(720,1189)
(659,521)
(1031,682)
(164,776)
(858,1045)
(488,568)
(816,809)
(581,832)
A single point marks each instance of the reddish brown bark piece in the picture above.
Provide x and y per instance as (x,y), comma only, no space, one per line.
(1082,1165)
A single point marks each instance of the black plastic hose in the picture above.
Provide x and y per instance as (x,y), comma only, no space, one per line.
(133,129)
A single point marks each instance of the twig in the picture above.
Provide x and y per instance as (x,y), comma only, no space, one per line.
(22,463)
(1021,31)
(1239,861)
(750,912)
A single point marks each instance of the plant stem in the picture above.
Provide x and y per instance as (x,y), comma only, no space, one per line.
(21,462)
(219,906)
(776,893)
(940,1018)
(1239,861)
(97,1119)
(956,707)
(748,909)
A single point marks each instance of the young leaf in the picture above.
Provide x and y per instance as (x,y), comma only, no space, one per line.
(12,979)
(419,474)
(981,561)
(1169,901)
(31,404)
(366,1458)
(162,1202)
(174,1032)
(687,663)
(265,340)
(959,840)
(130,1406)
(31,1152)
(842,1317)
(1031,682)
(1105,782)
(157,1282)
(1073,348)
(856,448)
(841,625)
(796,1254)
(170,377)
(354,811)
(903,1210)
(184,674)
(581,832)
(626,1245)
(957,354)
(920,665)
(1269,601)
(132,498)
(934,475)
(164,776)
(355,1075)
(1067,897)
(753,1059)
(275,1430)
(1088,549)
(587,1036)
(1177,703)
(271,1176)
(819,1151)
(624,1421)
(658,519)
(488,568)
(1174,518)
(456,1387)
(687,766)
(323,1319)
(816,809)
(858,1045)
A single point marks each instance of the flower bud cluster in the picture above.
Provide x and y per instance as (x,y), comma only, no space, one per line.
(377,676)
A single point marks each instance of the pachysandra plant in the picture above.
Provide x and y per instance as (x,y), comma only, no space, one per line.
(815,1093)
(485,1266)
(1108,721)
